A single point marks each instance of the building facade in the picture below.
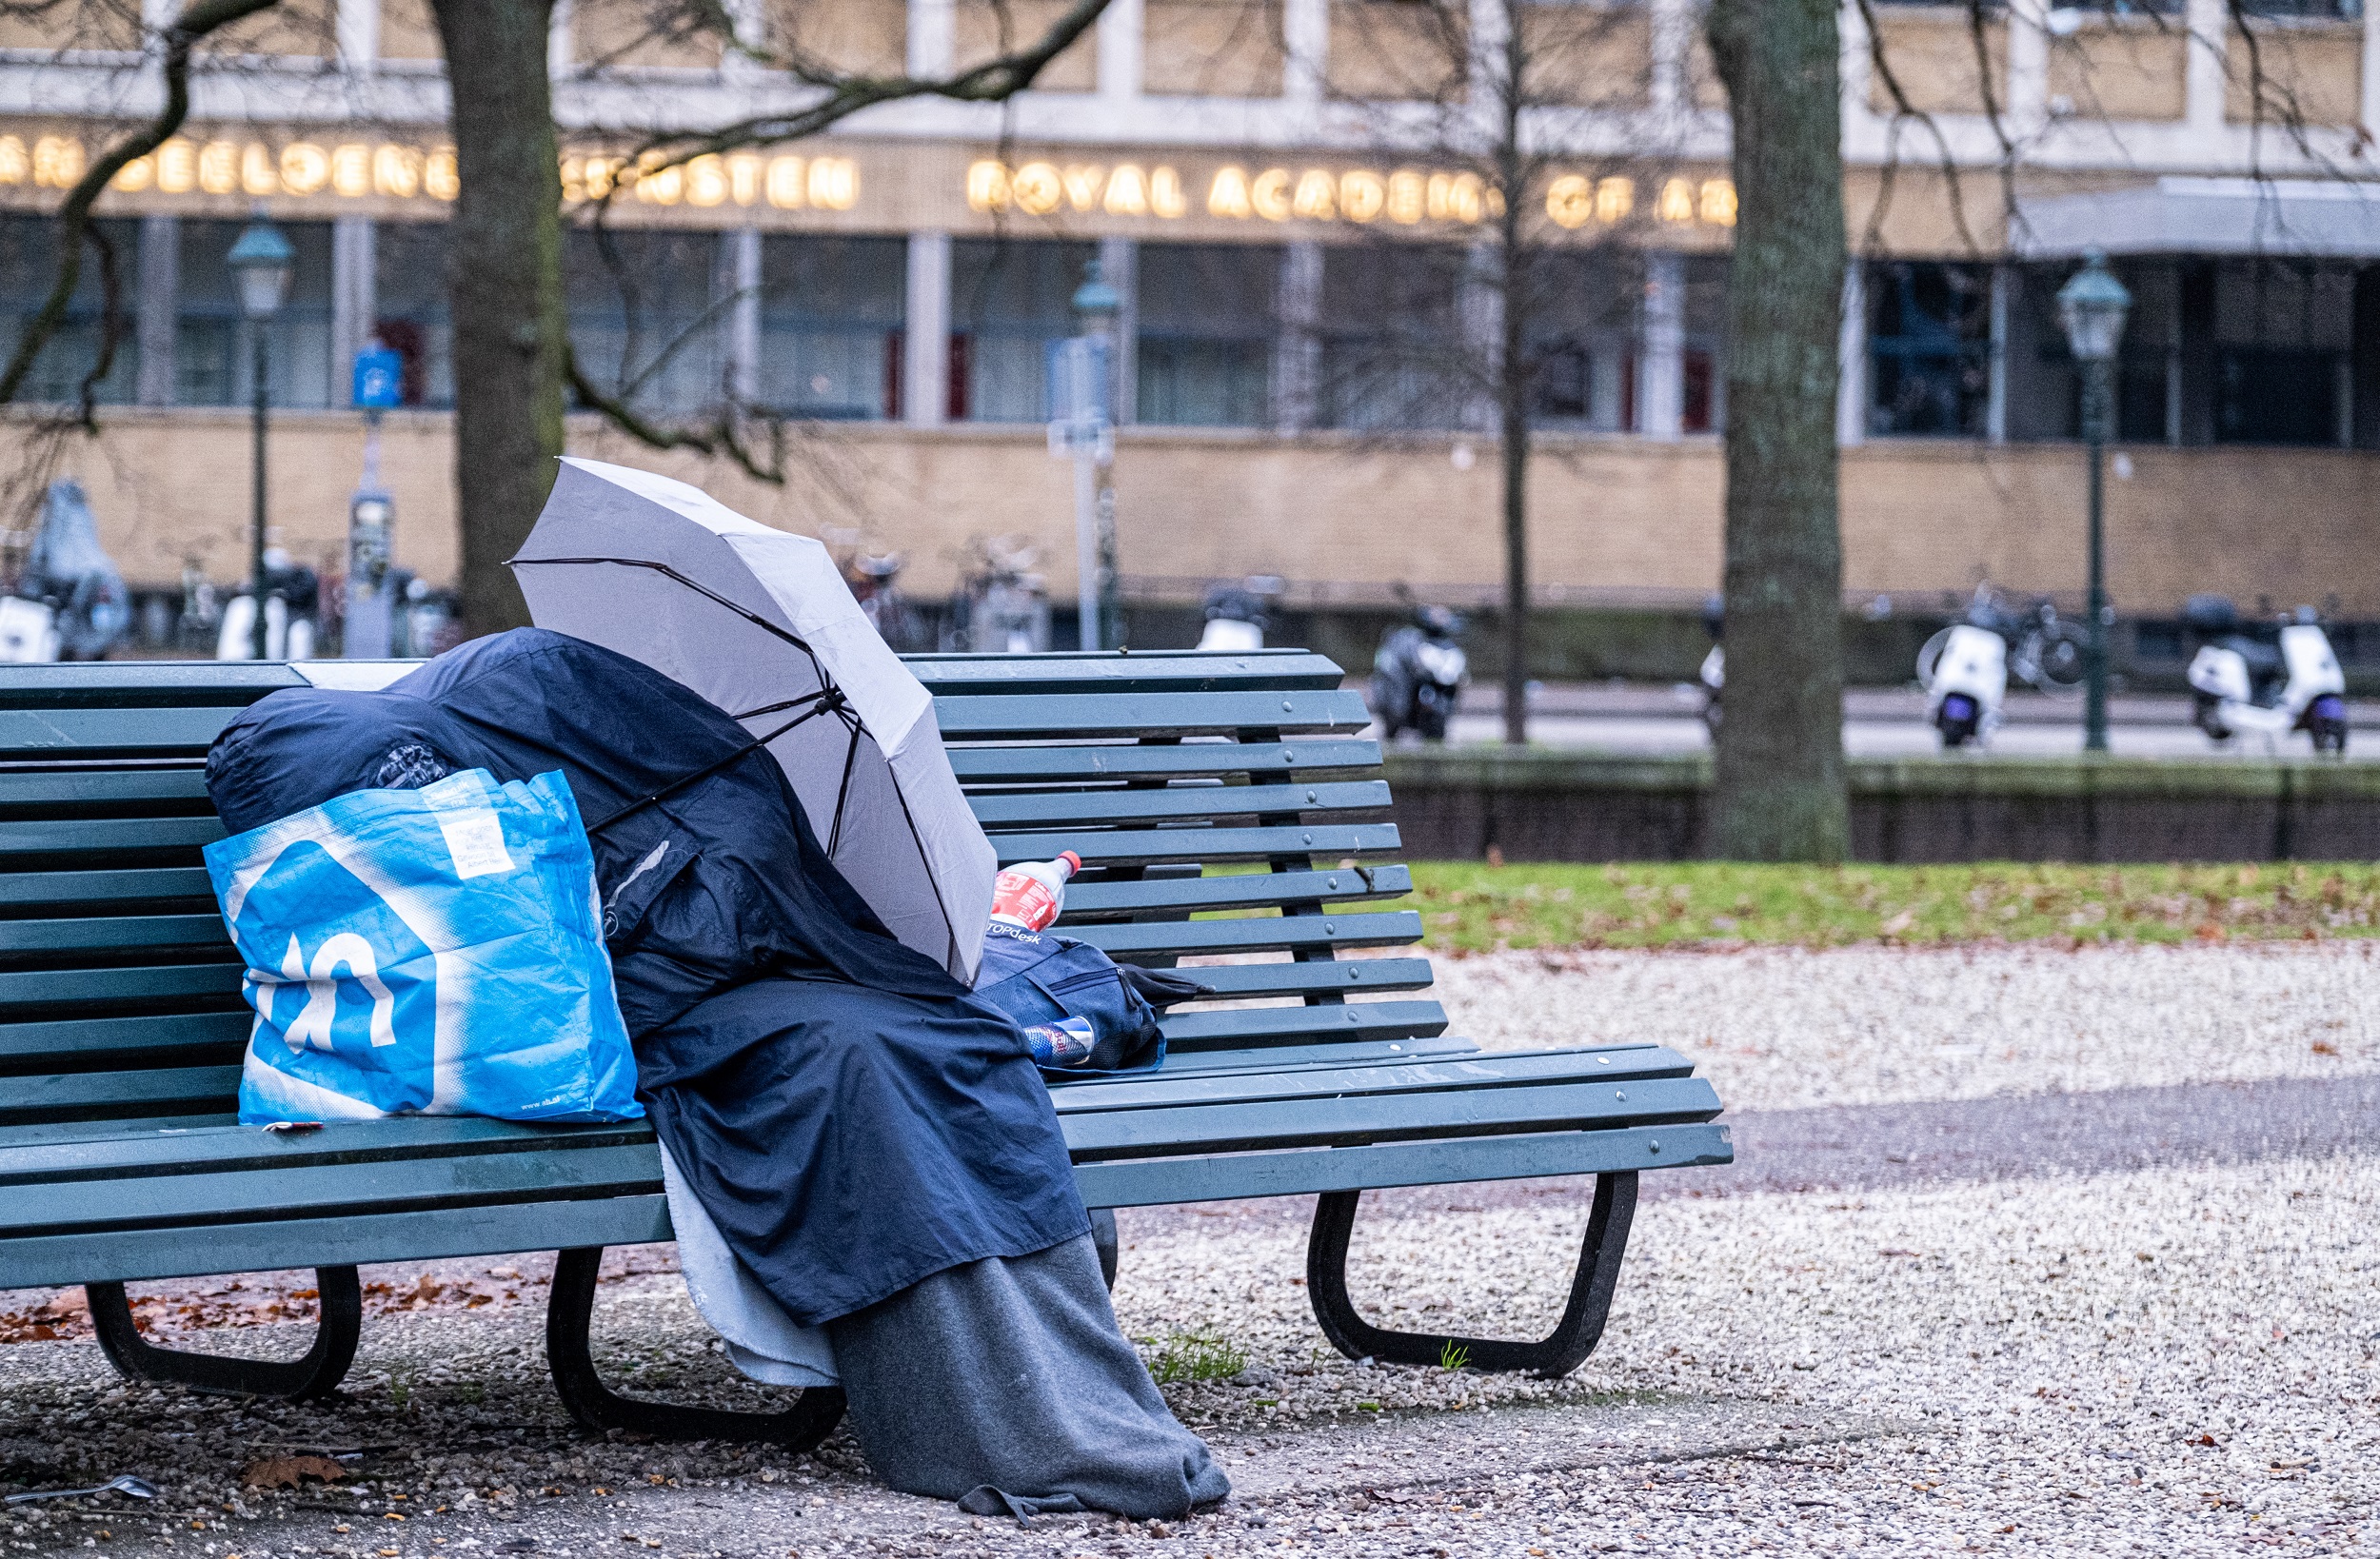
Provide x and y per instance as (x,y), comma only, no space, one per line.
(1284,193)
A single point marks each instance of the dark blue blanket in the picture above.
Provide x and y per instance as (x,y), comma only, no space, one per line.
(851,1117)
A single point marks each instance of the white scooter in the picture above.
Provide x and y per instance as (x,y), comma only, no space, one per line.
(2240,685)
(1237,615)
(1964,671)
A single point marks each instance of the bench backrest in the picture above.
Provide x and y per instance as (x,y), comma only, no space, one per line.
(1223,804)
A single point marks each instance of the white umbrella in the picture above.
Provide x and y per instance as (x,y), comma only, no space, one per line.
(760,622)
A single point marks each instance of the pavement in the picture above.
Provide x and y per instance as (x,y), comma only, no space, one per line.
(1980,1282)
(1877,723)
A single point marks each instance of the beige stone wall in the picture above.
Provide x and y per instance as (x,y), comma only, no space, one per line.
(1211,48)
(2122,69)
(985,31)
(1608,514)
(2298,73)
(1932,54)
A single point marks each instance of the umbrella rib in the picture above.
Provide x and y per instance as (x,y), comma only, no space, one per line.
(700,589)
(843,792)
(831,699)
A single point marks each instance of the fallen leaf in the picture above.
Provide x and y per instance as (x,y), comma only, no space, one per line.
(2324,1047)
(291,1471)
(1899,923)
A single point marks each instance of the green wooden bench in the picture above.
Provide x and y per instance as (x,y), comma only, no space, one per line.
(1221,804)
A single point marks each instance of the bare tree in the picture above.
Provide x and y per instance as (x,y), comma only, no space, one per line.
(1520,217)
(512,356)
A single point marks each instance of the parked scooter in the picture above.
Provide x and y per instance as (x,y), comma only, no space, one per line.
(2243,682)
(1964,671)
(69,576)
(293,596)
(1237,615)
(1417,674)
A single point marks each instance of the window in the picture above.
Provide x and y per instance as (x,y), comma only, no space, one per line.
(213,358)
(409,276)
(831,311)
(29,266)
(647,315)
(1009,299)
(1929,348)
(1206,334)
(2282,334)
(1392,340)
(1583,319)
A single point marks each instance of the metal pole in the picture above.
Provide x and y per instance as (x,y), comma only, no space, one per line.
(1086,546)
(256,540)
(2095,643)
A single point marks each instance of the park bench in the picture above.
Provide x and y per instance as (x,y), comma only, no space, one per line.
(1223,805)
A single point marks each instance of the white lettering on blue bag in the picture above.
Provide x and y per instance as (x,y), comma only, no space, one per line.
(427,952)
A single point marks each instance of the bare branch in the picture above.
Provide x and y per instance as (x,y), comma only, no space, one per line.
(74,224)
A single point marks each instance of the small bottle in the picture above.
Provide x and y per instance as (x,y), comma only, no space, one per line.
(1067,1042)
(1031,893)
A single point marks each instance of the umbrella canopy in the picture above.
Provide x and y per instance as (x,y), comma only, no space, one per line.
(760,622)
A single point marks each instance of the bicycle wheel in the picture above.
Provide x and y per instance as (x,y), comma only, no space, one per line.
(2056,656)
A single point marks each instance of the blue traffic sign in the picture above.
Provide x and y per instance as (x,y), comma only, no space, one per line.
(379,378)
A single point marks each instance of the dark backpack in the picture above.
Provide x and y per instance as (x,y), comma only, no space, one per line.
(1039,976)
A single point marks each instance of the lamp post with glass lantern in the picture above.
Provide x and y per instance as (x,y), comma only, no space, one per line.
(2091,306)
(261,261)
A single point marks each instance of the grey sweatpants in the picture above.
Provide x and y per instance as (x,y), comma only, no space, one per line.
(1012,1373)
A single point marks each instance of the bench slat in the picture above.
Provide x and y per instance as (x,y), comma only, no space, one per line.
(1303,1025)
(1013,717)
(1205,1063)
(1185,672)
(1254,933)
(1089,761)
(111,733)
(1622,1070)
(97,789)
(120,987)
(87,1096)
(1239,890)
(142,683)
(126,886)
(121,1040)
(1148,846)
(108,836)
(1351,977)
(1011,809)
(112,933)
(1320,1122)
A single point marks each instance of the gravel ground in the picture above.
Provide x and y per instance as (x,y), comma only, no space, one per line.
(1787,1029)
(2177,1359)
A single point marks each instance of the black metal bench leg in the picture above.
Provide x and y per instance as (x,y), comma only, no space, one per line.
(341,1324)
(597,1407)
(1554,1356)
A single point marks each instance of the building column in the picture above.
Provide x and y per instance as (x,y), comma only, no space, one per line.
(1297,357)
(160,282)
(355,301)
(1120,50)
(1673,39)
(741,269)
(562,47)
(933,40)
(1995,392)
(1662,362)
(2372,74)
(1306,45)
(1120,264)
(2364,354)
(1851,386)
(2207,25)
(358,36)
(2027,67)
(925,325)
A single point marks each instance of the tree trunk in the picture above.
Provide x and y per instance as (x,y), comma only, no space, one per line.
(510,330)
(1779,793)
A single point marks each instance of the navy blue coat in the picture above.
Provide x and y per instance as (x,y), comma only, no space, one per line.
(851,1116)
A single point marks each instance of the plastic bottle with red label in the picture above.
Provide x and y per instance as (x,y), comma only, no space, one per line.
(1031,894)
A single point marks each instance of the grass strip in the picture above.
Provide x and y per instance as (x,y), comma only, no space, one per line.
(1468,907)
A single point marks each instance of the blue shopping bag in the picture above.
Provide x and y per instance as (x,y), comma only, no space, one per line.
(427,952)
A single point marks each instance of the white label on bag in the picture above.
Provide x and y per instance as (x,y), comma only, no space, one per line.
(474,835)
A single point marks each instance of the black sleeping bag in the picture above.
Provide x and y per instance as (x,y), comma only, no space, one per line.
(853,1119)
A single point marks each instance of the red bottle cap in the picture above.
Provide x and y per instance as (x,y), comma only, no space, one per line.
(1074,862)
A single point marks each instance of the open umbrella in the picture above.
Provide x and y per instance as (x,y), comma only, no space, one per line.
(760,622)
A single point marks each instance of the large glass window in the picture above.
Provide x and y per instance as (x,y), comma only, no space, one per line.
(1929,348)
(1009,299)
(1207,333)
(409,270)
(1393,353)
(831,313)
(213,363)
(28,267)
(2282,332)
(648,315)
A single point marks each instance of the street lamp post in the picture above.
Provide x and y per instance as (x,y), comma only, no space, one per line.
(261,261)
(2091,306)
